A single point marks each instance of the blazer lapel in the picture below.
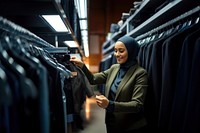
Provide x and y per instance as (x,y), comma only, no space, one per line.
(111,79)
(127,76)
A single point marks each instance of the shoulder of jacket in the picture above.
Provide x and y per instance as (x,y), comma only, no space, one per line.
(140,69)
(115,66)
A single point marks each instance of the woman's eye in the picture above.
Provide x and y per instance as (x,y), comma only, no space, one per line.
(121,51)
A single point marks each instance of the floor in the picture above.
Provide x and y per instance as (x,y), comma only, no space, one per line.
(93,118)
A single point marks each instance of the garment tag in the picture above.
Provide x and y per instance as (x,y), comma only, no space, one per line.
(74,73)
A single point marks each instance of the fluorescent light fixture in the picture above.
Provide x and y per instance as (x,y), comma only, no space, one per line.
(85,38)
(84,33)
(71,44)
(83,24)
(81,8)
(56,22)
(86,48)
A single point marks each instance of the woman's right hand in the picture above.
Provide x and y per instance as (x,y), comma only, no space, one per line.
(102,101)
(77,61)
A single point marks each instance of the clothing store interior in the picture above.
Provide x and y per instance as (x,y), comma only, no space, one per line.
(55,95)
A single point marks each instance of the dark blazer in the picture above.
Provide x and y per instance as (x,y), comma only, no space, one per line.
(130,96)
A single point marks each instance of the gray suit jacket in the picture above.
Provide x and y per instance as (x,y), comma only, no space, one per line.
(130,96)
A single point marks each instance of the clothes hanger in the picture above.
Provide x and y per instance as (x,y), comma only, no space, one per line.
(197,19)
(54,62)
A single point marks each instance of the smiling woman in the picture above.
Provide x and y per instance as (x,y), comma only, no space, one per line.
(125,89)
(129,49)
(120,53)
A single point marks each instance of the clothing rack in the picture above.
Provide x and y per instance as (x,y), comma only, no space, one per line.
(13,28)
(169,23)
(58,50)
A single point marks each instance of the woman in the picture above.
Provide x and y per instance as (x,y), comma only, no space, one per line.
(125,89)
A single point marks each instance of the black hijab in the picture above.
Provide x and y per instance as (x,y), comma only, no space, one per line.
(132,48)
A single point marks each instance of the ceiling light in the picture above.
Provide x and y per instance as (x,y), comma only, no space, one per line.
(56,22)
(81,8)
(83,24)
(71,44)
(86,48)
(84,32)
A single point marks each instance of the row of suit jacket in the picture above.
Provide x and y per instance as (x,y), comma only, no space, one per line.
(38,94)
(171,59)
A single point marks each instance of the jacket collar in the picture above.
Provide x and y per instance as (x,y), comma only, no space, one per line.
(112,78)
(127,76)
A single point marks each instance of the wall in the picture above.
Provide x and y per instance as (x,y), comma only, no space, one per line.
(101,14)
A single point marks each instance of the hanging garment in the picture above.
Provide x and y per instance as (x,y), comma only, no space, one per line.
(171,52)
(57,97)
(80,85)
(33,83)
(191,117)
(29,95)
(182,82)
(169,68)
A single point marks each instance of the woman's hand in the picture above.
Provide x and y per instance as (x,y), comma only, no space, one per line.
(102,101)
(77,61)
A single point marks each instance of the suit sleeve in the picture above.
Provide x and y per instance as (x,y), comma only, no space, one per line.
(97,78)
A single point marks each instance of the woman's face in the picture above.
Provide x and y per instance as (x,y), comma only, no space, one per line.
(120,52)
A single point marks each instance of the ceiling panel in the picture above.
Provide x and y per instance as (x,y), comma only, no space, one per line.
(27,13)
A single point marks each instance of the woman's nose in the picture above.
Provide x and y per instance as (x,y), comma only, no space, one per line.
(117,53)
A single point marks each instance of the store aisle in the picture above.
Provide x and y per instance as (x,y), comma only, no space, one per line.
(93,118)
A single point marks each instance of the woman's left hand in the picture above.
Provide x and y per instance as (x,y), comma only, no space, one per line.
(102,101)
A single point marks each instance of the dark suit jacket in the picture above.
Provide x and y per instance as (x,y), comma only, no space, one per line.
(130,95)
